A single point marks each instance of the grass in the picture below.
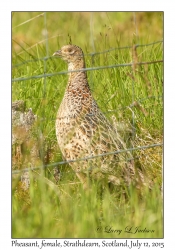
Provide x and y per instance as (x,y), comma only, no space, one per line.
(133,97)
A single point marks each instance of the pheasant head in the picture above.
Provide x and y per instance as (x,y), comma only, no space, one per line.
(73,55)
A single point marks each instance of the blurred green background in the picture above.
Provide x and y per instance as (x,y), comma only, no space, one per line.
(89,30)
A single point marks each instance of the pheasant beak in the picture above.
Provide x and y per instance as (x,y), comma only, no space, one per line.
(57,53)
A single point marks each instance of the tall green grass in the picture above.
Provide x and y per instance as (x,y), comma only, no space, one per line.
(133,97)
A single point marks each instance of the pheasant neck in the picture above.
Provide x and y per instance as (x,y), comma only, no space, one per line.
(76,65)
(77,78)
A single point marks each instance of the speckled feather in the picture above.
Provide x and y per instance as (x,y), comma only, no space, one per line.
(82,130)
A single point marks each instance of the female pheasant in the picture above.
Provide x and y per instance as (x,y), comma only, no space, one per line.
(83,131)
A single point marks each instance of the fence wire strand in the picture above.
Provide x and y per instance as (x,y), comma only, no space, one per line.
(86,55)
(86,69)
(87,158)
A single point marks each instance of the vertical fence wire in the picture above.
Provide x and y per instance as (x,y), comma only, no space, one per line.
(100,194)
(91,75)
(45,33)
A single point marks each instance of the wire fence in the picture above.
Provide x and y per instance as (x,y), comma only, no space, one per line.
(86,69)
(90,54)
(55,164)
(132,64)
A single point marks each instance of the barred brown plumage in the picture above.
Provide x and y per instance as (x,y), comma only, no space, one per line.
(82,129)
